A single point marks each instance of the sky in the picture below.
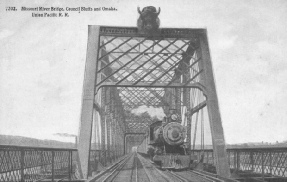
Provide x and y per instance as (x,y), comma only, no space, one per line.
(42,62)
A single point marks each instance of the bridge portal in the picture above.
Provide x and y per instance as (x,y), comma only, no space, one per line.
(126,69)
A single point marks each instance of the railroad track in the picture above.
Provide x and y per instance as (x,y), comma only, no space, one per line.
(101,176)
(135,168)
(154,174)
(128,170)
(205,176)
(114,175)
(139,174)
(197,176)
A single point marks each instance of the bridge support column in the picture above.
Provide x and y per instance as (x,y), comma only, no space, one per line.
(86,121)
(208,81)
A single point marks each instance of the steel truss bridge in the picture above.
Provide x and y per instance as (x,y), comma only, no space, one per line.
(126,71)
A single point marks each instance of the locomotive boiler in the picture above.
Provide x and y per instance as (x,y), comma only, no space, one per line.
(167,147)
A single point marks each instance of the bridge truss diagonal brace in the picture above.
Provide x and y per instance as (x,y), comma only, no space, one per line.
(85,130)
(216,127)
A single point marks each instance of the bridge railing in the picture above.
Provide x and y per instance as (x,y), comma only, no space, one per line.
(19,163)
(261,160)
(100,159)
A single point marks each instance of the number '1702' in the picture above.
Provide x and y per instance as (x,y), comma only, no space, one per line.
(11,9)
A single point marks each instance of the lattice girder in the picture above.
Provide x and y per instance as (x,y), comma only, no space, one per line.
(156,66)
(145,63)
(151,71)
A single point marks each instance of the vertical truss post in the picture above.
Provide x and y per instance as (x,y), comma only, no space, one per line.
(113,139)
(186,102)
(114,124)
(85,131)
(218,140)
(116,139)
(188,118)
(103,145)
(125,142)
(118,135)
(173,98)
(96,136)
(111,123)
(108,139)
(178,101)
(122,146)
(108,121)
(119,138)
(103,128)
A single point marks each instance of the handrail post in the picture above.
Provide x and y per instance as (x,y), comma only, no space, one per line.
(53,167)
(238,160)
(252,160)
(234,160)
(22,164)
(70,164)
(270,162)
(262,163)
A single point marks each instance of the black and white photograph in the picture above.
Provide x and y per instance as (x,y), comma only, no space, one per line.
(143,91)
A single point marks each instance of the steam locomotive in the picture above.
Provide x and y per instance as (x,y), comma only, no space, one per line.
(166,144)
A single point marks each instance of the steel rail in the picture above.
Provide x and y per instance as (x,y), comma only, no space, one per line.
(137,169)
(181,178)
(117,170)
(161,173)
(147,172)
(114,166)
(214,175)
(206,176)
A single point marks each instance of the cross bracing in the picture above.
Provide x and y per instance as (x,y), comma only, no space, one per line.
(126,70)
(142,60)
(142,67)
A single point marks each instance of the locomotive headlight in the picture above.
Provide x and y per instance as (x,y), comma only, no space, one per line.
(173,117)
